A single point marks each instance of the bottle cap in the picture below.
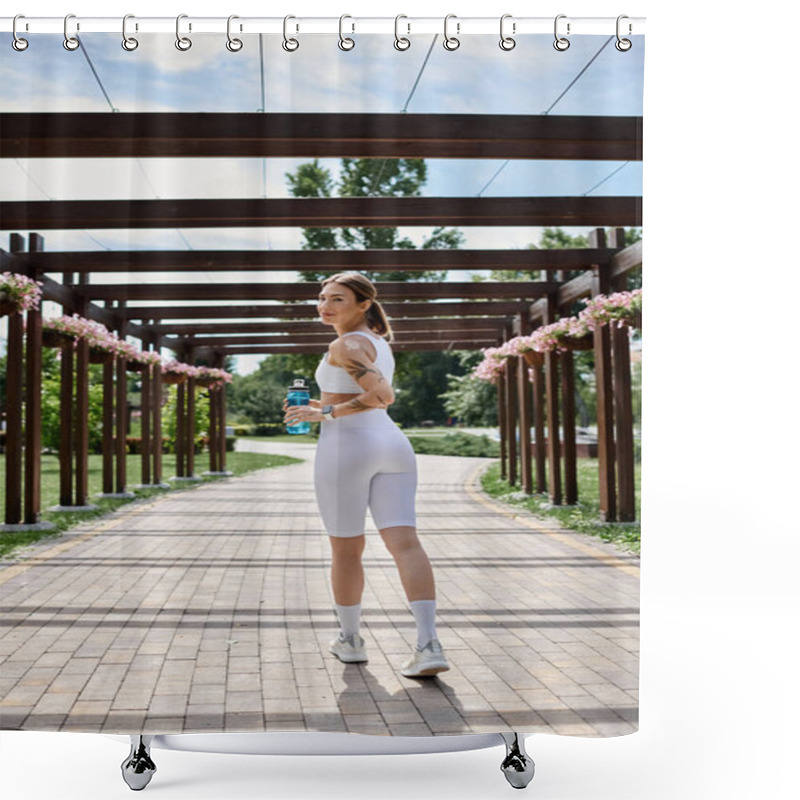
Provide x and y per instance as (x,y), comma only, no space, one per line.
(299,385)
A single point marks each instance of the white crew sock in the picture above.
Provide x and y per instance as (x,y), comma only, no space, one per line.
(424,612)
(349,619)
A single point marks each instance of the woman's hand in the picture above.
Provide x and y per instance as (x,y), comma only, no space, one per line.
(312,403)
(295,414)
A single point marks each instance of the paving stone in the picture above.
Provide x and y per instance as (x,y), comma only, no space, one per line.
(537,640)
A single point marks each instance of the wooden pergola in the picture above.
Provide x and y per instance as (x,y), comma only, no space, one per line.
(263,317)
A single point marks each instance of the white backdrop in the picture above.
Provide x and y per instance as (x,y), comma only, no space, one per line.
(720,604)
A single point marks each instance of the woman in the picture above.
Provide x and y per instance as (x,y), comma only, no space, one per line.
(364,460)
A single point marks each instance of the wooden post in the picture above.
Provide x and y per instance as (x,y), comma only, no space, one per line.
(568,423)
(213,431)
(502,425)
(601,284)
(15,370)
(553,431)
(121,410)
(33,403)
(155,404)
(191,405)
(82,411)
(511,418)
(221,418)
(180,426)
(146,416)
(524,402)
(540,446)
(67,427)
(623,408)
(108,424)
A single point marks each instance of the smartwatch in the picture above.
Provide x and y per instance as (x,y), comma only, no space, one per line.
(327,412)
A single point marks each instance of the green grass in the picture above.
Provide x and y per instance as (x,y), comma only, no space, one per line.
(238,463)
(583,517)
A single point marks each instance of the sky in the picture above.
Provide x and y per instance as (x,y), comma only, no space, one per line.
(318,77)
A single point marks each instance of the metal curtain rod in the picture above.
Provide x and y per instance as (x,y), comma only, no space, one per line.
(406,25)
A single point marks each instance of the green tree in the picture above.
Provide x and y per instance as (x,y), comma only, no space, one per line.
(368,177)
(470,400)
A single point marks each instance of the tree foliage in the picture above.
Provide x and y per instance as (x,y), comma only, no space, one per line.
(471,401)
(368,177)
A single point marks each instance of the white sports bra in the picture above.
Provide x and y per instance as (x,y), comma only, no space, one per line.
(335,379)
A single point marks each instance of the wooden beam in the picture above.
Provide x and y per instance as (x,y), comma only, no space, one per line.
(484,325)
(291,135)
(301,291)
(142,261)
(308,311)
(455,344)
(626,260)
(321,212)
(328,336)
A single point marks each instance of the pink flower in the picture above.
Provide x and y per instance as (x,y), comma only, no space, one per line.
(21,291)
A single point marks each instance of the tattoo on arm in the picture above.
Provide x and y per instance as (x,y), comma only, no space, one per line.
(358,369)
(358,405)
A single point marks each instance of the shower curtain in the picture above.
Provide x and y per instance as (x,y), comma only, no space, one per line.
(168,210)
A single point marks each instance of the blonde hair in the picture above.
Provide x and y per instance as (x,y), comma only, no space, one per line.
(364,289)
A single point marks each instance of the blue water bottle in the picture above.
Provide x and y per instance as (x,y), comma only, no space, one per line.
(298,396)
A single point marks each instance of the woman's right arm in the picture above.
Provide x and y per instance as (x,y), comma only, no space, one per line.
(357,360)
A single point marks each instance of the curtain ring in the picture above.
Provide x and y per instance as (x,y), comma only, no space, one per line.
(19,44)
(345,43)
(183,43)
(289,45)
(401,43)
(70,42)
(507,42)
(128,42)
(561,44)
(451,42)
(623,45)
(234,45)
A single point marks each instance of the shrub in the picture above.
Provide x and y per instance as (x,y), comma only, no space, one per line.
(456,444)
(269,429)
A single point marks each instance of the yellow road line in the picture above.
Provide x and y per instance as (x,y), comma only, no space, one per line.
(532,522)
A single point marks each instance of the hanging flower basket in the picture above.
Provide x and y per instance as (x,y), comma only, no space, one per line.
(533,358)
(7,305)
(18,293)
(135,366)
(585,342)
(98,356)
(621,309)
(173,378)
(211,378)
(57,339)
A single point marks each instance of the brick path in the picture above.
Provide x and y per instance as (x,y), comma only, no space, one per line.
(210,609)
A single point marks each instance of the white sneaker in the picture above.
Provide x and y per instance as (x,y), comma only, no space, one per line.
(350,650)
(430,660)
